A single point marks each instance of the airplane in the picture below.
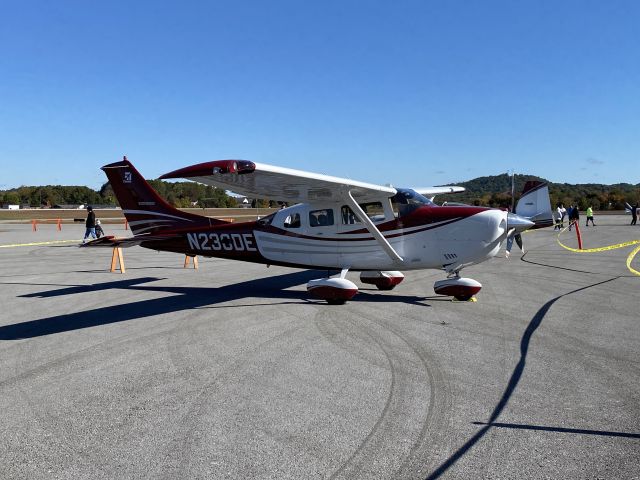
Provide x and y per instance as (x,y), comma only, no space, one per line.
(337,224)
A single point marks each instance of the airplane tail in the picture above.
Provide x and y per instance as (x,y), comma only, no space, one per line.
(535,205)
(146,212)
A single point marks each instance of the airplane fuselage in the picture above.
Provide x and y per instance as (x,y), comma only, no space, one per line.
(332,237)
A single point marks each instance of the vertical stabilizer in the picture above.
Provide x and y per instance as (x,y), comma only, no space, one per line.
(144,209)
(535,204)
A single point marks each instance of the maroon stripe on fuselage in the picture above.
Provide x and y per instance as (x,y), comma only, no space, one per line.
(228,240)
(426,216)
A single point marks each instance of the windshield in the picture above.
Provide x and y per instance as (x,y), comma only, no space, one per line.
(406,201)
(266,221)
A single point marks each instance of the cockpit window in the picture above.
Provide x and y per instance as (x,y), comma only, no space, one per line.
(266,220)
(406,201)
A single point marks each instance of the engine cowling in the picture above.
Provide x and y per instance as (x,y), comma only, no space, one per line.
(384,280)
(459,288)
(335,291)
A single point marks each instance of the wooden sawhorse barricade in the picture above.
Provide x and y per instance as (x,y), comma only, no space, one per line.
(117,260)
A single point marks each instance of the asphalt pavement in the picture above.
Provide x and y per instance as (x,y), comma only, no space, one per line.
(232,371)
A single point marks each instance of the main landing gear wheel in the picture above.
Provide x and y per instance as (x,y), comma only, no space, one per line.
(336,291)
(333,301)
(462,289)
(383,280)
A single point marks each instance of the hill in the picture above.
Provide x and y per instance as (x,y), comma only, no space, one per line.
(495,191)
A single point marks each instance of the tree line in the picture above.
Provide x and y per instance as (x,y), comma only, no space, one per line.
(492,191)
(178,194)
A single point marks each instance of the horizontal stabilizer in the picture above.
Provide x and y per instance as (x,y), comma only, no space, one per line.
(125,242)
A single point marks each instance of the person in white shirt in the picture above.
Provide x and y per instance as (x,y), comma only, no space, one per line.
(561,212)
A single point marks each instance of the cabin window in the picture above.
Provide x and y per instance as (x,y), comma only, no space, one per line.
(321,218)
(348,217)
(373,210)
(292,221)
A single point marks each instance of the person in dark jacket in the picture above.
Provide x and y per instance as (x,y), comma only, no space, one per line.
(574,216)
(634,214)
(90,224)
(569,213)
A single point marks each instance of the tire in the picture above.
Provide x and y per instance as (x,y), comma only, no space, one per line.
(336,301)
(386,288)
(463,298)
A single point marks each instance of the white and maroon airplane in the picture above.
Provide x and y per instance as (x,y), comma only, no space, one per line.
(339,224)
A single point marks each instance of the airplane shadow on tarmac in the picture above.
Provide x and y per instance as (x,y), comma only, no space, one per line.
(182,298)
(517,373)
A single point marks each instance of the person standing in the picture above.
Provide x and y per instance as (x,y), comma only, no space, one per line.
(569,214)
(590,216)
(90,224)
(518,238)
(574,217)
(634,214)
(561,211)
(99,230)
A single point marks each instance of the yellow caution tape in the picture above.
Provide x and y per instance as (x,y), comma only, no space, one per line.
(606,248)
(600,249)
(35,244)
(630,259)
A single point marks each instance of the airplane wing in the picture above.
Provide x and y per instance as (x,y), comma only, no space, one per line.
(432,191)
(258,180)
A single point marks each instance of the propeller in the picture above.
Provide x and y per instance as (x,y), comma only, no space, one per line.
(515,223)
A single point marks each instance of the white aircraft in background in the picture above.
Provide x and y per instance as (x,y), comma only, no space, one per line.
(339,224)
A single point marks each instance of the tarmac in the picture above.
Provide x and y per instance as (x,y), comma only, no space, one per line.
(232,371)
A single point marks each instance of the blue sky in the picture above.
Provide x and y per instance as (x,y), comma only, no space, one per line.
(412,93)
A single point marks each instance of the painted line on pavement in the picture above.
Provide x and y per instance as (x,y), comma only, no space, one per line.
(36,244)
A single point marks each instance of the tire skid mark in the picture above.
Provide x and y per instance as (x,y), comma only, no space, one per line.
(184,440)
(350,463)
(435,419)
(358,348)
(50,426)
(82,353)
(375,445)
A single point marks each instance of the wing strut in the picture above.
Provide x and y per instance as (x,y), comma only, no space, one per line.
(373,230)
